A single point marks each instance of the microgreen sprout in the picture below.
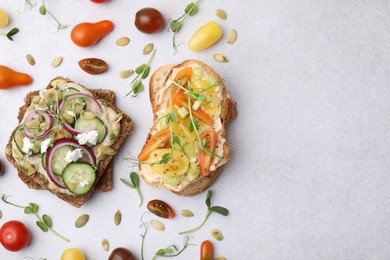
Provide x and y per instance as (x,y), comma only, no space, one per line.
(44,222)
(172,250)
(10,33)
(145,225)
(134,185)
(217,209)
(142,72)
(43,11)
(28,5)
(175,24)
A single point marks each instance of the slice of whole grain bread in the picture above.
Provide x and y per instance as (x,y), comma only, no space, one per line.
(38,181)
(228,113)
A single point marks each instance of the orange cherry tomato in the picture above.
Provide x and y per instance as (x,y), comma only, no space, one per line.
(161,209)
(198,114)
(88,34)
(204,158)
(183,76)
(10,78)
(206,250)
(158,140)
(93,66)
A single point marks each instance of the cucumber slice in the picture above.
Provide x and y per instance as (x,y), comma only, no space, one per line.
(189,150)
(18,138)
(79,177)
(58,162)
(193,172)
(84,125)
(75,105)
(172,181)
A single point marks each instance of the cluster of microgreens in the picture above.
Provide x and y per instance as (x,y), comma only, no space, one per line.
(175,24)
(134,185)
(172,250)
(44,222)
(169,251)
(217,209)
(29,5)
(142,72)
(10,33)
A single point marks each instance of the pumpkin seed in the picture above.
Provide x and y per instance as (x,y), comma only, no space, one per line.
(220,258)
(216,234)
(221,14)
(88,115)
(56,62)
(221,58)
(232,36)
(148,48)
(123,41)
(107,150)
(105,245)
(44,126)
(57,83)
(68,118)
(158,225)
(187,213)
(117,218)
(124,74)
(30,59)
(81,221)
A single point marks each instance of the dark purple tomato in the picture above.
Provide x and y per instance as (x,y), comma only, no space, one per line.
(121,253)
(149,20)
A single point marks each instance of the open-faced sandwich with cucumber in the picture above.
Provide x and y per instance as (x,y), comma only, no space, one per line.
(186,146)
(66,139)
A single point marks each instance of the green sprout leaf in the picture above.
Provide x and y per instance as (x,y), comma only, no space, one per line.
(47,220)
(134,185)
(42,226)
(42,10)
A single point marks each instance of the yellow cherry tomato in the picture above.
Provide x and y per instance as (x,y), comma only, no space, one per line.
(73,254)
(4,19)
(205,36)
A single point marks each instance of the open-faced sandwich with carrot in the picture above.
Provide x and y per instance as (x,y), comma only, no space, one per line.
(186,146)
(66,138)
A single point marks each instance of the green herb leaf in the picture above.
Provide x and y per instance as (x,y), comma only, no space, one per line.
(146,72)
(175,26)
(208,199)
(176,139)
(28,210)
(47,221)
(11,33)
(140,69)
(134,179)
(221,210)
(128,184)
(42,226)
(34,207)
(42,10)
(193,11)
(189,7)
(165,158)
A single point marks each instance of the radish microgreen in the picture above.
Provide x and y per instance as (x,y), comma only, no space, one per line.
(28,4)
(142,72)
(169,251)
(43,11)
(134,185)
(44,223)
(217,209)
(10,33)
(175,25)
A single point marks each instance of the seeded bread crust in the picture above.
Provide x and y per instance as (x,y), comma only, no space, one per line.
(228,112)
(104,182)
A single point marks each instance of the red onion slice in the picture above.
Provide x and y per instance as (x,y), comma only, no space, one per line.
(69,128)
(48,118)
(62,142)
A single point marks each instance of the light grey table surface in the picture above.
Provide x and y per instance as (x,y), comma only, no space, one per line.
(309,171)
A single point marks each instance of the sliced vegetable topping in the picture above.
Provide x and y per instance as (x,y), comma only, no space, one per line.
(58,162)
(86,125)
(38,124)
(209,140)
(79,177)
(176,165)
(158,140)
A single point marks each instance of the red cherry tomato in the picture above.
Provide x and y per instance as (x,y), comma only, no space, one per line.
(99,1)
(93,66)
(14,235)
(149,20)
(161,209)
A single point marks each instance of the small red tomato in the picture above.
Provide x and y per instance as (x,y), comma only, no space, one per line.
(161,209)
(93,66)
(206,250)
(149,20)
(14,235)
(99,1)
